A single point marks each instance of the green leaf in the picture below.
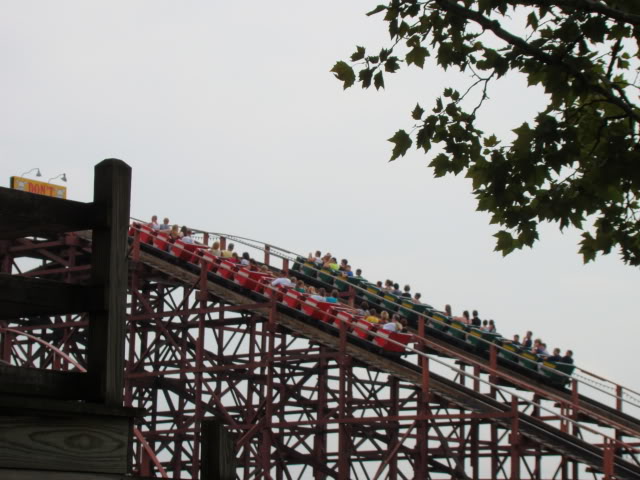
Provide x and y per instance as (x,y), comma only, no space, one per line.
(401,143)
(392,12)
(393,27)
(414,41)
(423,139)
(378,9)
(452,110)
(413,10)
(614,194)
(505,243)
(403,29)
(417,56)
(528,236)
(438,107)
(358,55)
(365,75)
(595,29)
(441,165)
(532,21)
(490,142)
(344,73)
(391,65)
(378,80)
(484,5)
(417,112)
(588,247)
(486,203)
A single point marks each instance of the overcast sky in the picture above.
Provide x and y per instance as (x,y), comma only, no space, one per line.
(232,122)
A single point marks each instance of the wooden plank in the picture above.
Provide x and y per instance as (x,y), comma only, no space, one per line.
(23,405)
(105,355)
(24,214)
(24,296)
(217,456)
(43,383)
(76,444)
(12,474)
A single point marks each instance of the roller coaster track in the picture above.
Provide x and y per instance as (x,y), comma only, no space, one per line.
(556,439)
(593,409)
(594,438)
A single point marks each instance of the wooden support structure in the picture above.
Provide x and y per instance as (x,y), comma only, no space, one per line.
(26,214)
(42,437)
(24,296)
(81,431)
(218,460)
(41,383)
(304,398)
(112,190)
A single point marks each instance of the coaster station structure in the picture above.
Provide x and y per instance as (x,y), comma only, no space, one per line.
(304,399)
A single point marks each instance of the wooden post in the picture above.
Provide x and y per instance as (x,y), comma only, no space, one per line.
(105,356)
(515,440)
(493,363)
(619,400)
(135,252)
(217,452)
(608,459)
(267,251)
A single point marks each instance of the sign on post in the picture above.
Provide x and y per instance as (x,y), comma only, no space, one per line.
(41,188)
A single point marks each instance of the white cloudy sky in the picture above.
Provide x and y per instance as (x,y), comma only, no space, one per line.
(232,122)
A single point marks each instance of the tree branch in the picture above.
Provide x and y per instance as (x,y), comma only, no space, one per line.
(494,26)
(590,6)
(614,57)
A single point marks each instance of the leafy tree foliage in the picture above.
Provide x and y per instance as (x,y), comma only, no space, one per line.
(578,161)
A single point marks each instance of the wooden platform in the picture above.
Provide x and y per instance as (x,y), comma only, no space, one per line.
(54,435)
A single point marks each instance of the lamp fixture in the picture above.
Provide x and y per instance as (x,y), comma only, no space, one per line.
(38,174)
(62,176)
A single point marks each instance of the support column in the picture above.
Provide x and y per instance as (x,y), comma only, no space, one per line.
(474,452)
(320,436)
(5,257)
(515,440)
(198,420)
(6,339)
(538,456)
(266,437)
(608,460)
(394,410)
(344,429)
(105,356)
(252,387)
(282,398)
(494,433)
(422,432)
(132,328)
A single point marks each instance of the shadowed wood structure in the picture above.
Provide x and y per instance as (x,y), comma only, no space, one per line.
(69,424)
